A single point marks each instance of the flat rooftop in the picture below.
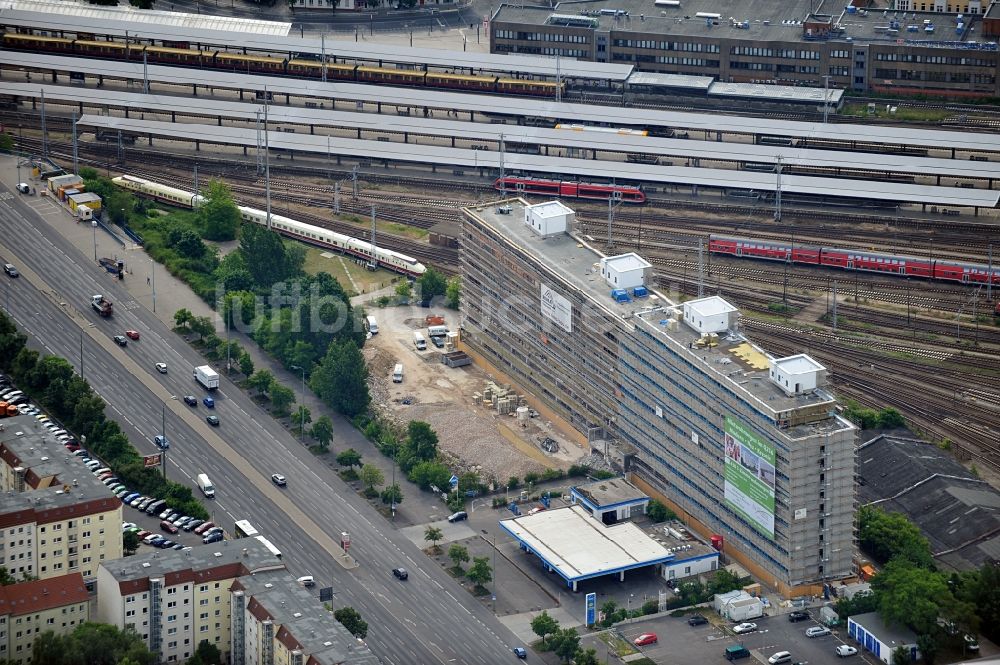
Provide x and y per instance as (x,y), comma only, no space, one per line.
(891,636)
(798,364)
(686,81)
(764,20)
(576,259)
(610,492)
(579,547)
(777,92)
(241,553)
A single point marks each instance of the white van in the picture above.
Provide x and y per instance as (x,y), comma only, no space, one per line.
(205,485)
(437,331)
(419,341)
(372,325)
(397,373)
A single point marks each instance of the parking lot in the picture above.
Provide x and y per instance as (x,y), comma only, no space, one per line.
(151,523)
(677,642)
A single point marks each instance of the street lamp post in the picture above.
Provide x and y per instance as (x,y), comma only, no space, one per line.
(302,412)
(152,278)
(93,225)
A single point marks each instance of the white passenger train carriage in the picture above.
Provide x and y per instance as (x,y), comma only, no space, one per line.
(313,235)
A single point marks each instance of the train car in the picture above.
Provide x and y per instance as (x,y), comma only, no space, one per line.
(239,62)
(37,43)
(390,76)
(461,82)
(314,235)
(105,49)
(966,273)
(178,56)
(531,88)
(764,249)
(314,69)
(576,190)
(606,130)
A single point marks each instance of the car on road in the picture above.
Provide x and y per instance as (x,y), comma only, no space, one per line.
(213,537)
(306,581)
(697,620)
(458,517)
(971,643)
(121,340)
(278,479)
(132,334)
(191,400)
(742,628)
(799,615)
(645,639)
(212,420)
(168,527)
(161,368)
(208,402)
(845,650)
(817,631)
(400,573)
(11,270)
(161,442)
(520,652)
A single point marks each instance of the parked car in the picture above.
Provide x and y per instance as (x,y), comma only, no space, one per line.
(164,544)
(817,631)
(645,639)
(166,511)
(742,628)
(168,527)
(697,620)
(779,658)
(971,643)
(799,615)
(127,525)
(155,507)
(213,537)
(845,650)
(143,535)
(459,516)
(400,573)
(205,526)
(190,526)
(151,538)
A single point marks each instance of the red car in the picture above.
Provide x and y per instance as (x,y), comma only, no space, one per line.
(204,527)
(168,527)
(645,639)
(132,334)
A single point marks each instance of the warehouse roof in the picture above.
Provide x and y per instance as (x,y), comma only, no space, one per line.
(671,80)
(607,141)
(610,492)
(436,99)
(587,169)
(957,512)
(578,547)
(777,92)
(57,21)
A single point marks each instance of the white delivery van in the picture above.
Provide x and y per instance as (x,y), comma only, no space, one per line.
(397,373)
(372,325)
(437,331)
(205,485)
(419,341)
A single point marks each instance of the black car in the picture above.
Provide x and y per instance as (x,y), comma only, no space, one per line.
(121,340)
(11,270)
(191,400)
(697,620)
(212,420)
(799,615)
(437,341)
(400,573)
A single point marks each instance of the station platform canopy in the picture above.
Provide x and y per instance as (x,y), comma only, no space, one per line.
(577,547)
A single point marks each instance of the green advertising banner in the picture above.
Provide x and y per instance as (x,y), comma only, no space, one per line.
(749,476)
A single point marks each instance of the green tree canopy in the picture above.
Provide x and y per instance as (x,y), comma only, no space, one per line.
(543,625)
(218,216)
(341,379)
(93,644)
(566,643)
(349,457)
(480,572)
(371,476)
(911,596)
(458,554)
(266,256)
(281,399)
(886,536)
(433,534)
(431,284)
(352,621)
(453,292)
(322,431)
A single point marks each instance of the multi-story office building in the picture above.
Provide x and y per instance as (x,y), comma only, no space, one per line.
(742,444)
(27,609)
(928,46)
(177,599)
(55,516)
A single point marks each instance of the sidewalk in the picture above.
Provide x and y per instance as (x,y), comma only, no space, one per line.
(172,294)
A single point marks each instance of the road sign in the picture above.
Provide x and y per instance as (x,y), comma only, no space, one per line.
(454,481)
(152,460)
(591,609)
(326,594)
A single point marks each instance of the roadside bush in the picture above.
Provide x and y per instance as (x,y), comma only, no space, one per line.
(650,607)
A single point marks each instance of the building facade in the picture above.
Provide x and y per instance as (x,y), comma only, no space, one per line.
(55,516)
(27,609)
(932,47)
(700,416)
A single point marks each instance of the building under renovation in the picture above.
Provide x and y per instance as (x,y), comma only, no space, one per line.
(747,447)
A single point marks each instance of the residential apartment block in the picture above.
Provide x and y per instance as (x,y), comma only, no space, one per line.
(743,444)
(55,516)
(909,46)
(177,599)
(27,609)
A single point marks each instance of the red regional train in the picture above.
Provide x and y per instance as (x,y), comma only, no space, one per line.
(574,190)
(851,259)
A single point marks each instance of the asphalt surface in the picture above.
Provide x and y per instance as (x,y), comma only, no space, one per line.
(427,619)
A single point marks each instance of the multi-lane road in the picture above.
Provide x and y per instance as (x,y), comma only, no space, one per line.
(427,619)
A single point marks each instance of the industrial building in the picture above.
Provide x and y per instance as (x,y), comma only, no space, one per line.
(55,516)
(746,447)
(873,635)
(919,46)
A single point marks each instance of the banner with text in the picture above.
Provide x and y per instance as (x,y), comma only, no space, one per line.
(749,476)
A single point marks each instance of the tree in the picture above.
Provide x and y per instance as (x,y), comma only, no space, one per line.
(186,243)
(566,643)
(130,542)
(453,292)
(218,215)
(302,416)
(911,596)
(201,326)
(352,621)
(6,578)
(659,512)
(349,458)
(94,644)
(890,419)
(724,581)
(246,364)
(900,656)
(432,534)
(392,495)
(984,592)
(404,291)
(928,646)
(183,318)
(341,379)
(468,482)
(458,554)
(431,284)
(209,653)
(586,657)
(371,476)
(281,399)
(6,143)
(430,474)
(322,431)
(421,440)
(266,256)
(887,536)
(141,4)
(479,572)
(261,381)
(543,625)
